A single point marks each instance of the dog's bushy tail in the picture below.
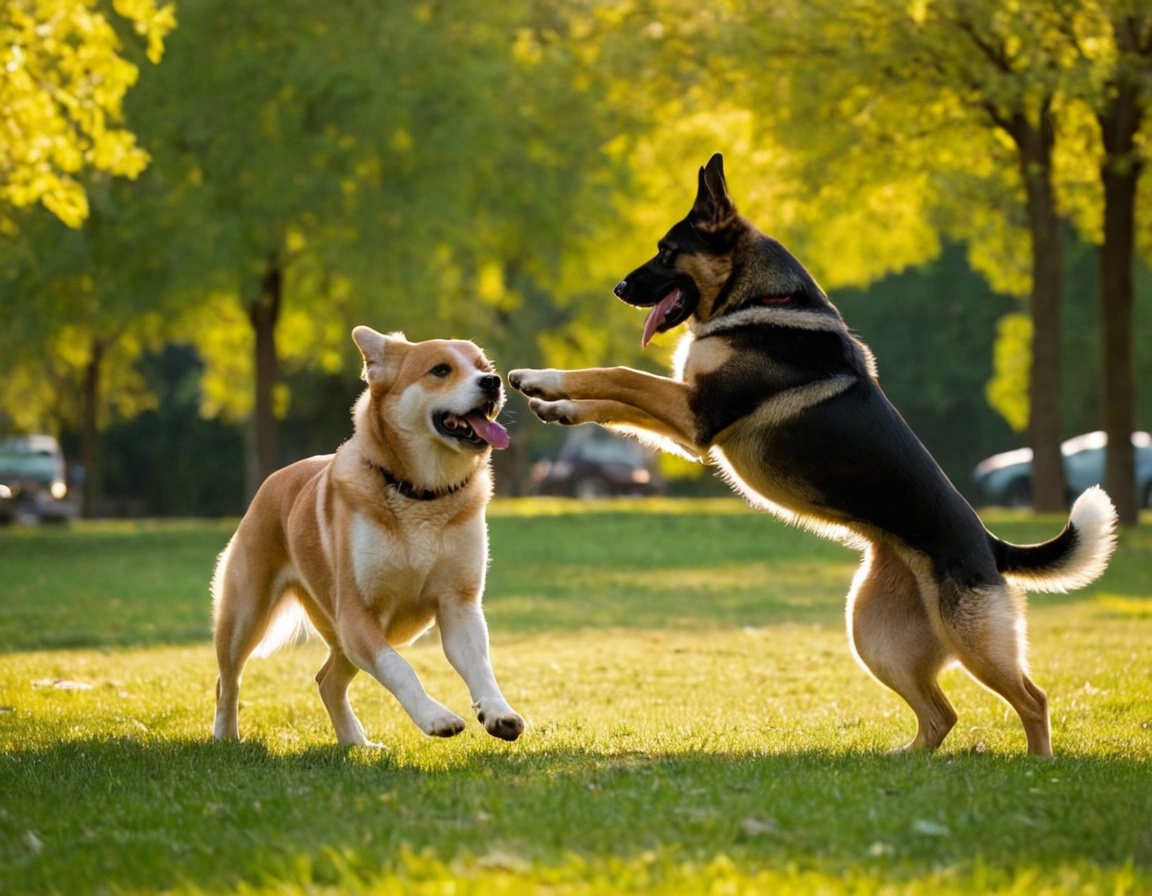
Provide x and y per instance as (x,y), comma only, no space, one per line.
(1074,558)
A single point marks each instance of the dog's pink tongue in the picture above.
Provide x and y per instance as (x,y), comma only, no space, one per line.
(657,316)
(489,430)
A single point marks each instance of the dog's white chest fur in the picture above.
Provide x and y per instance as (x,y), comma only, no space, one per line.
(406,573)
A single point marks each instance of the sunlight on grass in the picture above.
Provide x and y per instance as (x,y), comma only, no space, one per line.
(1139,607)
(696,724)
(506,507)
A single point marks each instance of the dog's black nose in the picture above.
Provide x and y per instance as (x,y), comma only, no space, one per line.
(490,384)
(620,289)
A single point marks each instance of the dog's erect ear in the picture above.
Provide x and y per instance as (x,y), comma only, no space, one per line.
(378,351)
(713,208)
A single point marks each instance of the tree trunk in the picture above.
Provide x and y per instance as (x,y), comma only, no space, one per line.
(264,314)
(90,430)
(1034,144)
(1118,387)
(1119,175)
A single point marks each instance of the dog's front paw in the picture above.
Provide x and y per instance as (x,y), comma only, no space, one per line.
(443,724)
(562,412)
(538,383)
(506,725)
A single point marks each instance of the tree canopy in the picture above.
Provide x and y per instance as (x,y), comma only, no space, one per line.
(291,169)
(61,98)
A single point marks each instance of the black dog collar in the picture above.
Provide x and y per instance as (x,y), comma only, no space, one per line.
(413,491)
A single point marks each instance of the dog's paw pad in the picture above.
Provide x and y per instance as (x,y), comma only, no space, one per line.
(505,727)
(562,412)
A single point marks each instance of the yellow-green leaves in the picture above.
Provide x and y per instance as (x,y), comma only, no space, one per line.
(64,78)
(1007,391)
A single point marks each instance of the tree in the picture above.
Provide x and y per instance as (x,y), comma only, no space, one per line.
(961,94)
(367,159)
(83,306)
(1111,42)
(64,82)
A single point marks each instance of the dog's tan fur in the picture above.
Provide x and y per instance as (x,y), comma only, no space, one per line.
(369,566)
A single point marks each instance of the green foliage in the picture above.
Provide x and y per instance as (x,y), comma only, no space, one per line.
(491,171)
(932,331)
(65,77)
(1008,390)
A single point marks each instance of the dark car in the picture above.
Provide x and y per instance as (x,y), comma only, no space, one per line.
(1007,478)
(33,475)
(596,463)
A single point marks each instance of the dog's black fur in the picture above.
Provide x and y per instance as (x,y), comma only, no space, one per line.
(776,389)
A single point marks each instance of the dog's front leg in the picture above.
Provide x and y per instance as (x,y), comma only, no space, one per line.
(613,396)
(363,639)
(464,635)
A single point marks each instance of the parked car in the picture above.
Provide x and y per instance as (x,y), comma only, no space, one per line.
(33,474)
(1007,478)
(596,463)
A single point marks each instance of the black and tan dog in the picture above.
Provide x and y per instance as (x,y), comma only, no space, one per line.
(773,387)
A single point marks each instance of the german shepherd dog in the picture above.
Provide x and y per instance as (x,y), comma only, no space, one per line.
(772,387)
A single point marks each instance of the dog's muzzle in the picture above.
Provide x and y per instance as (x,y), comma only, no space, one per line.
(620,289)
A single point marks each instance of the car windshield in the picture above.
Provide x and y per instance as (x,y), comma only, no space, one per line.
(36,466)
(34,458)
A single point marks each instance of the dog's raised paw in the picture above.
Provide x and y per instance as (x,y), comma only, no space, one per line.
(562,412)
(537,383)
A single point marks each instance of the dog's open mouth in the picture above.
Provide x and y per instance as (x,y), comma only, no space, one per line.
(478,428)
(670,311)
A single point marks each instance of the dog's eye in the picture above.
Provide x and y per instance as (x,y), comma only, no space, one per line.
(667,257)
(440,370)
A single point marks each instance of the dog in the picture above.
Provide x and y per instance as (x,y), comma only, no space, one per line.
(772,387)
(373,544)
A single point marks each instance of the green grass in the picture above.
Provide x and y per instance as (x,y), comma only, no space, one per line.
(696,725)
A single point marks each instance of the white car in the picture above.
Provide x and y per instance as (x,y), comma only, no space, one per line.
(1007,478)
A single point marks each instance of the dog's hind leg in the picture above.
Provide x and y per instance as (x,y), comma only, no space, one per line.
(893,637)
(987,629)
(333,678)
(243,608)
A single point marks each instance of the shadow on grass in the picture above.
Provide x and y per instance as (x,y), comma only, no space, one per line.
(143,815)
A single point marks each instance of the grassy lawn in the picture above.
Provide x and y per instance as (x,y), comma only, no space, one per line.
(696,724)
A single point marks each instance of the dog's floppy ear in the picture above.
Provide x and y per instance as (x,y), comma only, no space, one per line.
(378,351)
(713,208)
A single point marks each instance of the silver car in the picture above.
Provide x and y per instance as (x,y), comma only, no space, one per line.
(1007,478)
(33,479)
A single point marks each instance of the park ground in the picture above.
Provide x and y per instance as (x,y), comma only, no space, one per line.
(696,725)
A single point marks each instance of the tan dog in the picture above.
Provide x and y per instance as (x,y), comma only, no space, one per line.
(376,542)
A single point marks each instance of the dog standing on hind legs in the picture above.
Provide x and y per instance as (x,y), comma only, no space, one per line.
(772,387)
(374,543)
